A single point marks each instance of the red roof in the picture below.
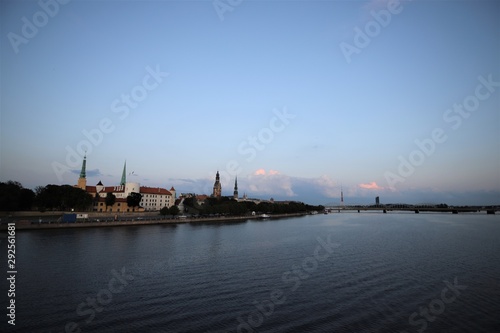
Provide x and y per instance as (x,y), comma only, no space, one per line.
(154,190)
(90,189)
(120,188)
(101,199)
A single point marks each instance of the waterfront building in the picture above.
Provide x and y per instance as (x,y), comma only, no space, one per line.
(153,198)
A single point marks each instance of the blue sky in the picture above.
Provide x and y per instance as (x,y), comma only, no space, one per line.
(297,98)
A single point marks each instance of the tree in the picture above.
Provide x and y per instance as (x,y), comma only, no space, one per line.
(174,210)
(62,198)
(191,202)
(110,199)
(164,211)
(13,196)
(133,200)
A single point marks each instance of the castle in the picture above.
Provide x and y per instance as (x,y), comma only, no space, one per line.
(153,198)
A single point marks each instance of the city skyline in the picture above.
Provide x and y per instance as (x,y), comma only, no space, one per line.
(393,99)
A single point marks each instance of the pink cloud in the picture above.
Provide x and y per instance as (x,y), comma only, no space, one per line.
(370,186)
(260,172)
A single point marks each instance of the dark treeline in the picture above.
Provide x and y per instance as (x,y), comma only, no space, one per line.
(228,206)
(62,197)
(14,197)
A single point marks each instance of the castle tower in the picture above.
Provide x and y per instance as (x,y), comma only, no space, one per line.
(124,174)
(235,193)
(217,187)
(82,181)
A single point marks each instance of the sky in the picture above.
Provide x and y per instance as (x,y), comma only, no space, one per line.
(298,99)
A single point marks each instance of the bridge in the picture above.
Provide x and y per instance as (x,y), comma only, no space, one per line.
(416,209)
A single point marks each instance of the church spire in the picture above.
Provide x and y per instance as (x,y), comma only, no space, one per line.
(82,181)
(217,186)
(124,174)
(341,196)
(84,166)
(235,193)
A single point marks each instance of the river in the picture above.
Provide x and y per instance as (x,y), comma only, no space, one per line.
(341,272)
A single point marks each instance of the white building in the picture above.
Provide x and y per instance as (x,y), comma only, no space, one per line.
(155,198)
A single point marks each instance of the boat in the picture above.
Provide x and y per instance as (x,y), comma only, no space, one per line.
(264,216)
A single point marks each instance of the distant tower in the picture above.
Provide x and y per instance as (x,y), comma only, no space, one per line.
(235,194)
(124,174)
(377,201)
(341,196)
(82,181)
(217,187)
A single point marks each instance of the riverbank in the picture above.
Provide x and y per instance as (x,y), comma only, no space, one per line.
(143,220)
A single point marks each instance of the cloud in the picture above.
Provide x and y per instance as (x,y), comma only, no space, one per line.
(260,172)
(89,173)
(270,183)
(325,190)
(371,186)
(326,186)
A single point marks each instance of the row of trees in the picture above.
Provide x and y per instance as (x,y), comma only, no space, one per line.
(13,196)
(172,210)
(62,197)
(232,207)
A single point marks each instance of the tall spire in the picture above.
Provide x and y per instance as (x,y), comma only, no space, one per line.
(217,186)
(341,196)
(235,194)
(82,181)
(124,174)
(84,166)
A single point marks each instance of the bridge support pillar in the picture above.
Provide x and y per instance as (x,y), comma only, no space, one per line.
(385,211)
(417,211)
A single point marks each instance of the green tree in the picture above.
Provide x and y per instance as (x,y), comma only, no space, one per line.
(133,200)
(191,202)
(13,196)
(62,197)
(110,199)
(164,211)
(174,210)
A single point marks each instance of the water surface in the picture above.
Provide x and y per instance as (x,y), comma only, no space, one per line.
(379,270)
